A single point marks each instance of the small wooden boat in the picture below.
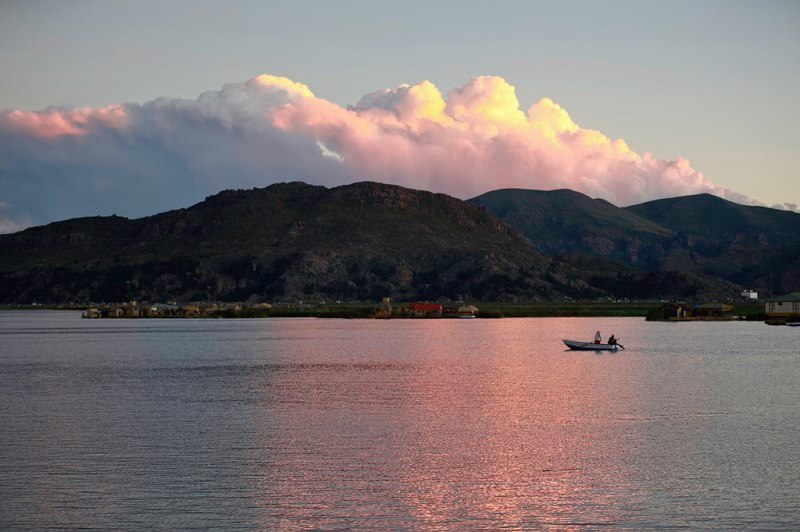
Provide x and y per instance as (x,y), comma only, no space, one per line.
(589,346)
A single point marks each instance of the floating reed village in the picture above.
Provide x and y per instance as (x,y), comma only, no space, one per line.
(781,310)
(384,310)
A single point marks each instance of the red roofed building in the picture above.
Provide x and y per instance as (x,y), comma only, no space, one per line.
(425,310)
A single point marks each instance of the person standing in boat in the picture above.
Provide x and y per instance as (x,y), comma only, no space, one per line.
(597,337)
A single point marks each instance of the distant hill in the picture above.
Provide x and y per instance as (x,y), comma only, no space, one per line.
(754,246)
(289,241)
(564,222)
(362,242)
(709,216)
(705,244)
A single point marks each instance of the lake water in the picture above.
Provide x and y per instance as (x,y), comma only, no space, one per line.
(453,424)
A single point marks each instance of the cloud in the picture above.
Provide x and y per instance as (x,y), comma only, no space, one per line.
(478,139)
(136,159)
(11,221)
(788,206)
(58,122)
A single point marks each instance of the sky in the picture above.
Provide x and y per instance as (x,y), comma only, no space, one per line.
(133,108)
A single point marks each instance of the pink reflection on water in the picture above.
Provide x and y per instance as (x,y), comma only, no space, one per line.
(481,424)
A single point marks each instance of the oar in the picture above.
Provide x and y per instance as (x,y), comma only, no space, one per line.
(622,346)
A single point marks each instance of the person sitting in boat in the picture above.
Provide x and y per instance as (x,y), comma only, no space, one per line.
(612,340)
(597,337)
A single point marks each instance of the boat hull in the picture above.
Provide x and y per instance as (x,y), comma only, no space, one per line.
(589,346)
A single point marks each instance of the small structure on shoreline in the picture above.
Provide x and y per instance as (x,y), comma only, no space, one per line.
(384,309)
(674,311)
(783,309)
(425,310)
(435,310)
(468,311)
(91,312)
(133,309)
(714,311)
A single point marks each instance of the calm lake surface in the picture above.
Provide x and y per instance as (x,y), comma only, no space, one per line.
(454,424)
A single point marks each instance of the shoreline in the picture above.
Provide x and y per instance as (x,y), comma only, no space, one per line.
(488,310)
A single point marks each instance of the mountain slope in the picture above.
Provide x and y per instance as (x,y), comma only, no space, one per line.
(708,216)
(286,241)
(693,240)
(562,222)
(753,246)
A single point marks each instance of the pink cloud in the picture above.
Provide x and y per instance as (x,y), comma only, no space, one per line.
(60,122)
(136,159)
(478,139)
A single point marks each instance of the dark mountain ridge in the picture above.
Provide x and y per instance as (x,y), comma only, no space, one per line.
(757,247)
(294,241)
(701,237)
(709,216)
(564,222)
(287,241)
